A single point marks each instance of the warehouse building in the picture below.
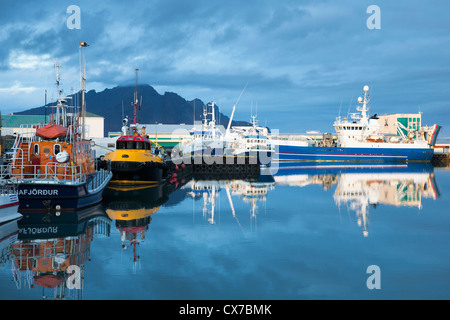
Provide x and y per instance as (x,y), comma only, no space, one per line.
(12,123)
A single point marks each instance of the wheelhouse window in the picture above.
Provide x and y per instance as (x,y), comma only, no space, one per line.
(36,149)
(56,149)
(140,145)
(133,145)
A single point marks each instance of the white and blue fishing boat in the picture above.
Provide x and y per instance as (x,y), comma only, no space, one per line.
(360,139)
(208,140)
(239,144)
(251,142)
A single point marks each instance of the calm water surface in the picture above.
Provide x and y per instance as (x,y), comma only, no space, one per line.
(302,233)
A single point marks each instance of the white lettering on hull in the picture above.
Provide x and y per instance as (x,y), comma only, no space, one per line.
(38,230)
(38,192)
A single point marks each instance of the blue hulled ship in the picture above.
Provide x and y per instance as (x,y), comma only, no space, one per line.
(360,139)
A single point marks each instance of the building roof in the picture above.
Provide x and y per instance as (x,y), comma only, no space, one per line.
(401,114)
(170,128)
(92,115)
(15,120)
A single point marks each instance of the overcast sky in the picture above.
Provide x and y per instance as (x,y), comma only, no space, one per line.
(304,61)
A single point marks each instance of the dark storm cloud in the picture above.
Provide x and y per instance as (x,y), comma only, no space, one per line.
(297,56)
(43,29)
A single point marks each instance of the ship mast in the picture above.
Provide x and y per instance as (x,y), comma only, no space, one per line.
(213,120)
(135,102)
(58,104)
(83,102)
(364,103)
(232,112)
(61,103)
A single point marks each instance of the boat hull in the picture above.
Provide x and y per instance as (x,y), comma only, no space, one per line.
(305,153)
(35,196)
(129,172)
(292,168)
(42,225)
(263,158)
(9,205)
(41,195)
(8,200)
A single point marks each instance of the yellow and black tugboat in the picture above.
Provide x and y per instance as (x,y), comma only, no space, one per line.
(136,160)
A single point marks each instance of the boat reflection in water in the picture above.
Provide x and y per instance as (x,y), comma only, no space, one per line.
(132,209)
(43,246)
(251,191)
(359,186)
(48,244)
(9,232)
(359,191)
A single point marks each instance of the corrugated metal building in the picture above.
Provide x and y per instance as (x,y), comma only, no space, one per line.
(12,122)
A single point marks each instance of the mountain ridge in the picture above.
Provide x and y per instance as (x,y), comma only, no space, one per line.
(115,103)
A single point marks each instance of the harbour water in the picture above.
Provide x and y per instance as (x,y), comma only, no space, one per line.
(311,232)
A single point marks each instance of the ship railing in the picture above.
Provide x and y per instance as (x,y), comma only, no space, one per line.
(51,172)
(99,180)
(356,116)
(292,137)
(8,188)
(29,130)
(4,172)
(26,134)
(102,226)
(8,185)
